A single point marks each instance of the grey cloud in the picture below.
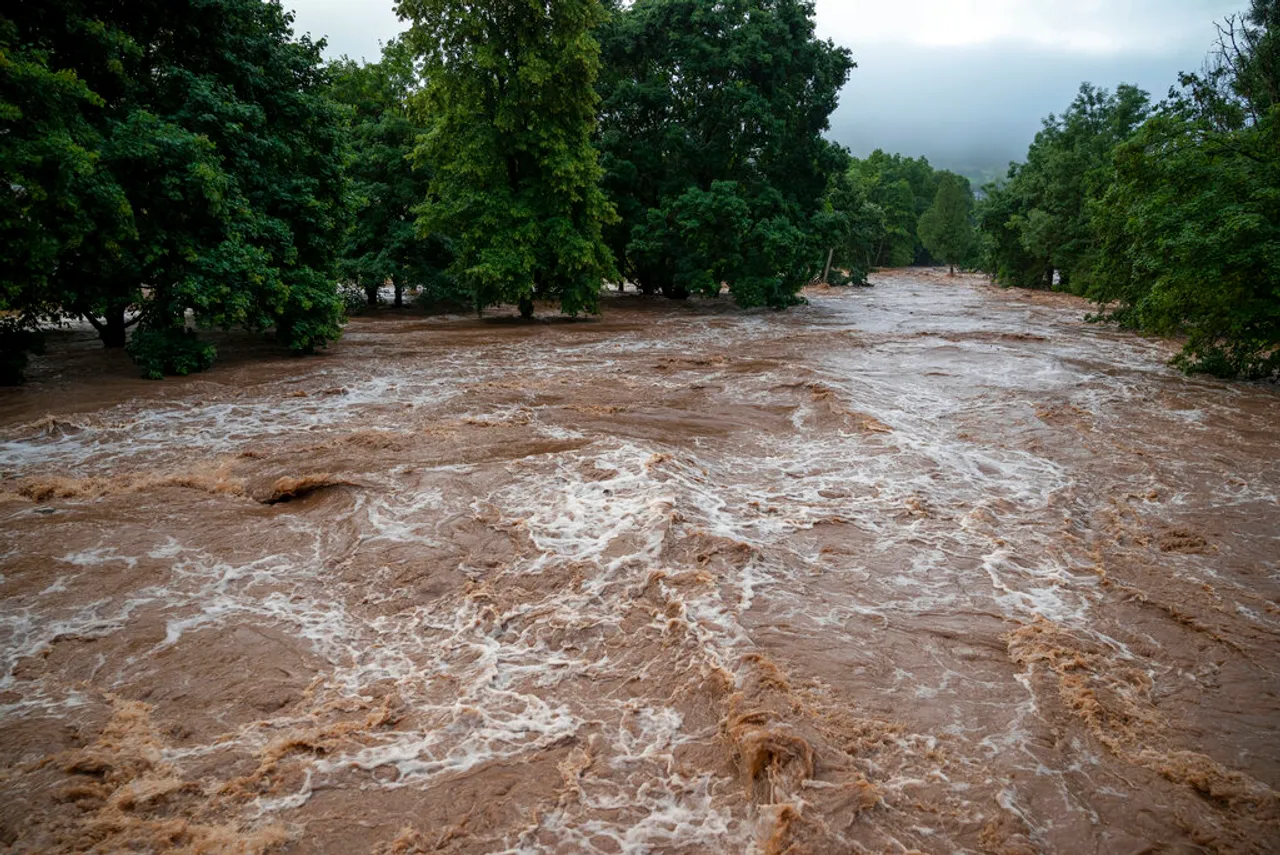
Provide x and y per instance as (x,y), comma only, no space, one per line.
(1096,26)
(352,28)
(974,109)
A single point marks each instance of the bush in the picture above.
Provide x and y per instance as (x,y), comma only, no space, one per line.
(170,351)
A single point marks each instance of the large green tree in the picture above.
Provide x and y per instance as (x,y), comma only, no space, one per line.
(1189,231)
(946,228)
(510,107)
(190,162)
(711,134)
(54,198)
(1038,220)
(383,245)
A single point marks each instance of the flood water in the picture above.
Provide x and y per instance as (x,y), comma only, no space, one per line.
(927,567)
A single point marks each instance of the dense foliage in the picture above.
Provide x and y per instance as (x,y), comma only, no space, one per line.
(1189,230)
(1168,218)
(711,134)
(850,226)
(172,166)
(162,158)
(901,189)
(1038,224)
(876,211)
(383,245)
(946,229)
(510,107)
(172,350)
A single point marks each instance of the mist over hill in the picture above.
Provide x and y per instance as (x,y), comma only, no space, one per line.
(974,109)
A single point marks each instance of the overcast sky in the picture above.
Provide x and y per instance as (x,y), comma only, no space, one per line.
(964,82)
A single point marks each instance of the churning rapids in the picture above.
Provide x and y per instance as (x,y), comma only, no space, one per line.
(926,567)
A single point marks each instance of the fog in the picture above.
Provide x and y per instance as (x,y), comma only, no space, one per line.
(974,109)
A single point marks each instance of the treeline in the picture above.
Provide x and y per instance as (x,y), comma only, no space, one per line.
(175,166)
(190,164)
(896,211)
(1166,215)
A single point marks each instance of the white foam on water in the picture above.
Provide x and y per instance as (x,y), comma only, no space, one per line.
(948,516)
(98,557)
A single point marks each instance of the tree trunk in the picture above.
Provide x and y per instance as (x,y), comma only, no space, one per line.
(675,292)
(371,293)
(526,308)
(399,294)
(953,271)
(646,282)
(113,330)
(826,271)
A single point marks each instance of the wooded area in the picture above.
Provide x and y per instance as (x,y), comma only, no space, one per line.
(178,166)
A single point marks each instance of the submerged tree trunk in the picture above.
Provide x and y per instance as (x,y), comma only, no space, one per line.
(113,329)
(826,271)
(646,282)
(399,293)
(953,271)
(371,293)
(115,332)
(526,307)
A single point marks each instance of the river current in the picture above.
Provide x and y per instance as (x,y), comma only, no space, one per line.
(927,567)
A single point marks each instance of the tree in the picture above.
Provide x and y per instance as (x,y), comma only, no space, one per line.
(711,134)
(902,188)
(1002,253)
(1044,236)
(946,229)
(852,227)
(198,168)
(510,107)
(384,245)
(53,196)
(1189,230)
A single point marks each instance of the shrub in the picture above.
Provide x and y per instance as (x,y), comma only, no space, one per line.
(170,351)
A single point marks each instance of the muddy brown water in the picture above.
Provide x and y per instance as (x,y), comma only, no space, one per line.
(927,567)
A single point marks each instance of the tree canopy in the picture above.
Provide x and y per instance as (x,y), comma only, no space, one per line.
(1189,230)
(946,229)
(1167,217)
(162,158)
(1038,222)
(711,135)
(902,189)
(384,245)
(510,107)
